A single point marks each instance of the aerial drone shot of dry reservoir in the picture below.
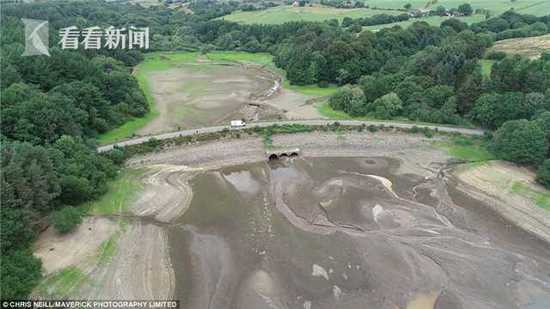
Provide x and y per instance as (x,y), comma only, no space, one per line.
(378,154)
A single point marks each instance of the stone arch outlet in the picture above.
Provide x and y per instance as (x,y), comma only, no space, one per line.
(278,154)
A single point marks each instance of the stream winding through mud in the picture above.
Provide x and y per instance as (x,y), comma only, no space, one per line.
(347,233)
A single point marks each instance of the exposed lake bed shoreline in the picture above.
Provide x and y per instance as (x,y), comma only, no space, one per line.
(357,218)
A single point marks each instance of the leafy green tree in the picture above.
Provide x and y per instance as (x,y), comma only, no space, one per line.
(469,90)
(66,219)
(493,109)
(440,10)
(347,21)
(407,88)
(350,100)
(20,271)
(29,180)
(436,96)
(83,174)
(465,9)
(454,23)
(520,141)
(534,104)
(543,173)
(543,120)
(387,106)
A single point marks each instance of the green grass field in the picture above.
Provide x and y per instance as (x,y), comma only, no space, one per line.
(468,149)
(108,249)
(236,56)
(61,283)
(534,7)
(541,198)
(283,14)
(486,67)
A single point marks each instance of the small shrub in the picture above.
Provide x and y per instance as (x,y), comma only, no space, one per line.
(428,133)
(372,128)
(66,219)
(153,143)
(496,55)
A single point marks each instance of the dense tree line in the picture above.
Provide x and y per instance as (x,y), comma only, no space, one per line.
(444,84)
(52,110)
(513,25)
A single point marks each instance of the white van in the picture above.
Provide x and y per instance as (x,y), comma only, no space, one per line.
(237,123)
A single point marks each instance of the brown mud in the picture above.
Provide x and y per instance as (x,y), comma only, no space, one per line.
(201,95)
(359,220)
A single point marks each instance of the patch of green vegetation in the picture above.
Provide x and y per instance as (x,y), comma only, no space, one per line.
(327,111)
(61,283)
(312,90)
(67,218)
(469,149)
(237,56)
(541,199)
(268,139)
(108,249)
(534,7)
(486,67)
(283,14)
(267,133)
(120,193)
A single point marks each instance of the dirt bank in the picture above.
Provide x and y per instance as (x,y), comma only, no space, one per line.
(60,251)
(511,191)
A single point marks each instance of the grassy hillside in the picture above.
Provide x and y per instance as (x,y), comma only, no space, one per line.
(531,47)
(283,14)
(535,7)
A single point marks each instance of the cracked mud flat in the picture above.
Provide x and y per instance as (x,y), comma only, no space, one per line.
(360,221)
